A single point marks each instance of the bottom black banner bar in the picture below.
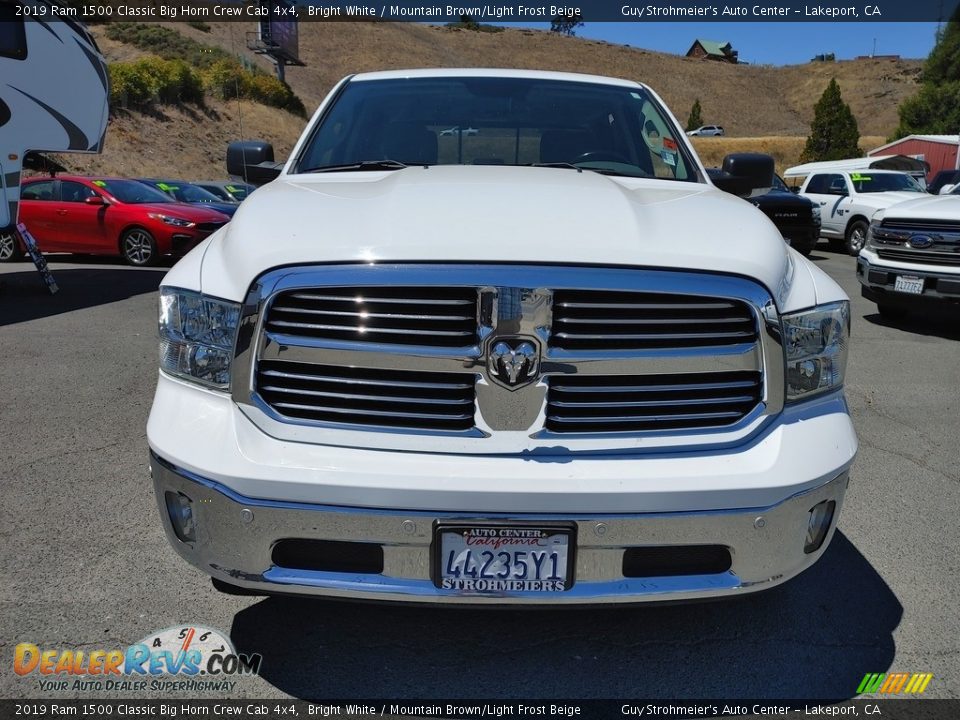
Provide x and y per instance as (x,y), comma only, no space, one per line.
(886,709)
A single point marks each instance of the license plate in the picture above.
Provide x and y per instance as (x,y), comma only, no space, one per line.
(908,284)
(496,559)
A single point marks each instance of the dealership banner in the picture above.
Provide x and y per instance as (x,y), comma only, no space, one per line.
(519,12)
(460,709)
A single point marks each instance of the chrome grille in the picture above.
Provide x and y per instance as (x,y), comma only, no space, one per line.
(625,403)
(437,317)
(386,398)
(325,352)
(920,256)
(600,320)
(921,225)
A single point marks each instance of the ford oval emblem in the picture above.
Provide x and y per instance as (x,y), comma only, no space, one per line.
(920,241)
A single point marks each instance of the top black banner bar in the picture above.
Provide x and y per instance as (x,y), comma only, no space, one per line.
(632,11)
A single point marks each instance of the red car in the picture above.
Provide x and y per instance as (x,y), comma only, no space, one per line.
(112,216)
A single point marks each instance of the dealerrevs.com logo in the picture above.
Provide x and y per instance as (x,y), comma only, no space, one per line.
(184,657)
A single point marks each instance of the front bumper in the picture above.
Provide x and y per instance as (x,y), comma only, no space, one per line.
(235,538)
(877,277)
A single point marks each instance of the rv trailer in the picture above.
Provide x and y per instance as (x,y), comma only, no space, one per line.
(54,93)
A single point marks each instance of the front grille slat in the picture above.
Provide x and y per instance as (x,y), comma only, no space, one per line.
(921,224)
(364,315)
(367,329)
(625,403)
(381,413)
(597,320)
(920,256)
(388,315)
(366,381)
(349,396)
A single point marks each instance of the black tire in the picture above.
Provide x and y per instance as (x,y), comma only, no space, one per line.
(10,250)
(138,247)
(856,237)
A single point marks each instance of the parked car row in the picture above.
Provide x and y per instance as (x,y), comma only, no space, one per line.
(139,220)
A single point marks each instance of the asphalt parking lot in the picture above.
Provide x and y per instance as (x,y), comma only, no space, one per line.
(86,565)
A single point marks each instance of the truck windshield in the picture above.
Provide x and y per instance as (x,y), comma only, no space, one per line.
(884,182)
(611,129)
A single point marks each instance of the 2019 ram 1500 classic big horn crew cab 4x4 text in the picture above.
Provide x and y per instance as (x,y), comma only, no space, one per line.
(547,362)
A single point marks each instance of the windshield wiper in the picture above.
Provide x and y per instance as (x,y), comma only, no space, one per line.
(567,165)
(598,170)
(362,165)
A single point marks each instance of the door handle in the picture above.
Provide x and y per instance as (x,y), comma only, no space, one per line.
(61,212)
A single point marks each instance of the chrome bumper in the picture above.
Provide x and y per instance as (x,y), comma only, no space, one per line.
(235,537)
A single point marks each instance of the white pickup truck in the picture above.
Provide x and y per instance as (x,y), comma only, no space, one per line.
(912,256)
(848,199)
(548,362)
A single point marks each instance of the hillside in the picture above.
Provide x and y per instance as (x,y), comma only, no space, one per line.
(749,101)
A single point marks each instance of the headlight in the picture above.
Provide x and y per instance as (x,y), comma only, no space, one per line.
(169,220)
(871,231)
(815,343)
(816,214)
(197,335)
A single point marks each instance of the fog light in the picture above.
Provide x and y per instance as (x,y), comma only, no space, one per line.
(180,509)
(821,515)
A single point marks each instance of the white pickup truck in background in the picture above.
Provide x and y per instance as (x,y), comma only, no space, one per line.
(912,255)
(848,199)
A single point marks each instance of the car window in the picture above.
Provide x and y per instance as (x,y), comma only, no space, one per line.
(819,184)
(838,185)
(866,182)
(240,191)
(74,192)
(219,192)
(13,38)
(131,191)
(38,191)
(498,121)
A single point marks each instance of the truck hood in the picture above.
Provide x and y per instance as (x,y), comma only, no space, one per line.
(885,199)
(484,214)
(930,207)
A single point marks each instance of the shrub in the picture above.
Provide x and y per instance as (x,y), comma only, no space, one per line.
(152,80)
(128,86)
(220,73)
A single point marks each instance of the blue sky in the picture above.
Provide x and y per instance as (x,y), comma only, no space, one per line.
(769,42)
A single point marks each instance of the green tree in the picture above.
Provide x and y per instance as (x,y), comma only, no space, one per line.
(566,24)
(695,120)
(936,108)
(834,134)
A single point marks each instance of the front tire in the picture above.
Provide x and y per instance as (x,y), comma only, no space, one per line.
(9,247)
(856,237)
(138,247)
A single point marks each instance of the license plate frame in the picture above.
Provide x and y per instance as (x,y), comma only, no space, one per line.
(509,585)
(908,284)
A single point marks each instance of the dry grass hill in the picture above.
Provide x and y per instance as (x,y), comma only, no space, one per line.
(762,108)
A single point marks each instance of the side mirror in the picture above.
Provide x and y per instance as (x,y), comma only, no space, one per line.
(94,200)
(946,189)
(253,161)
(746,174)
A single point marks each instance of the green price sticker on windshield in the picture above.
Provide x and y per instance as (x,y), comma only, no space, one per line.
(99,183)
(857,177)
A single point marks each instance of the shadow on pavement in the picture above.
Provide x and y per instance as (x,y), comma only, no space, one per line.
(812,638)
(931,321)
(24,297)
